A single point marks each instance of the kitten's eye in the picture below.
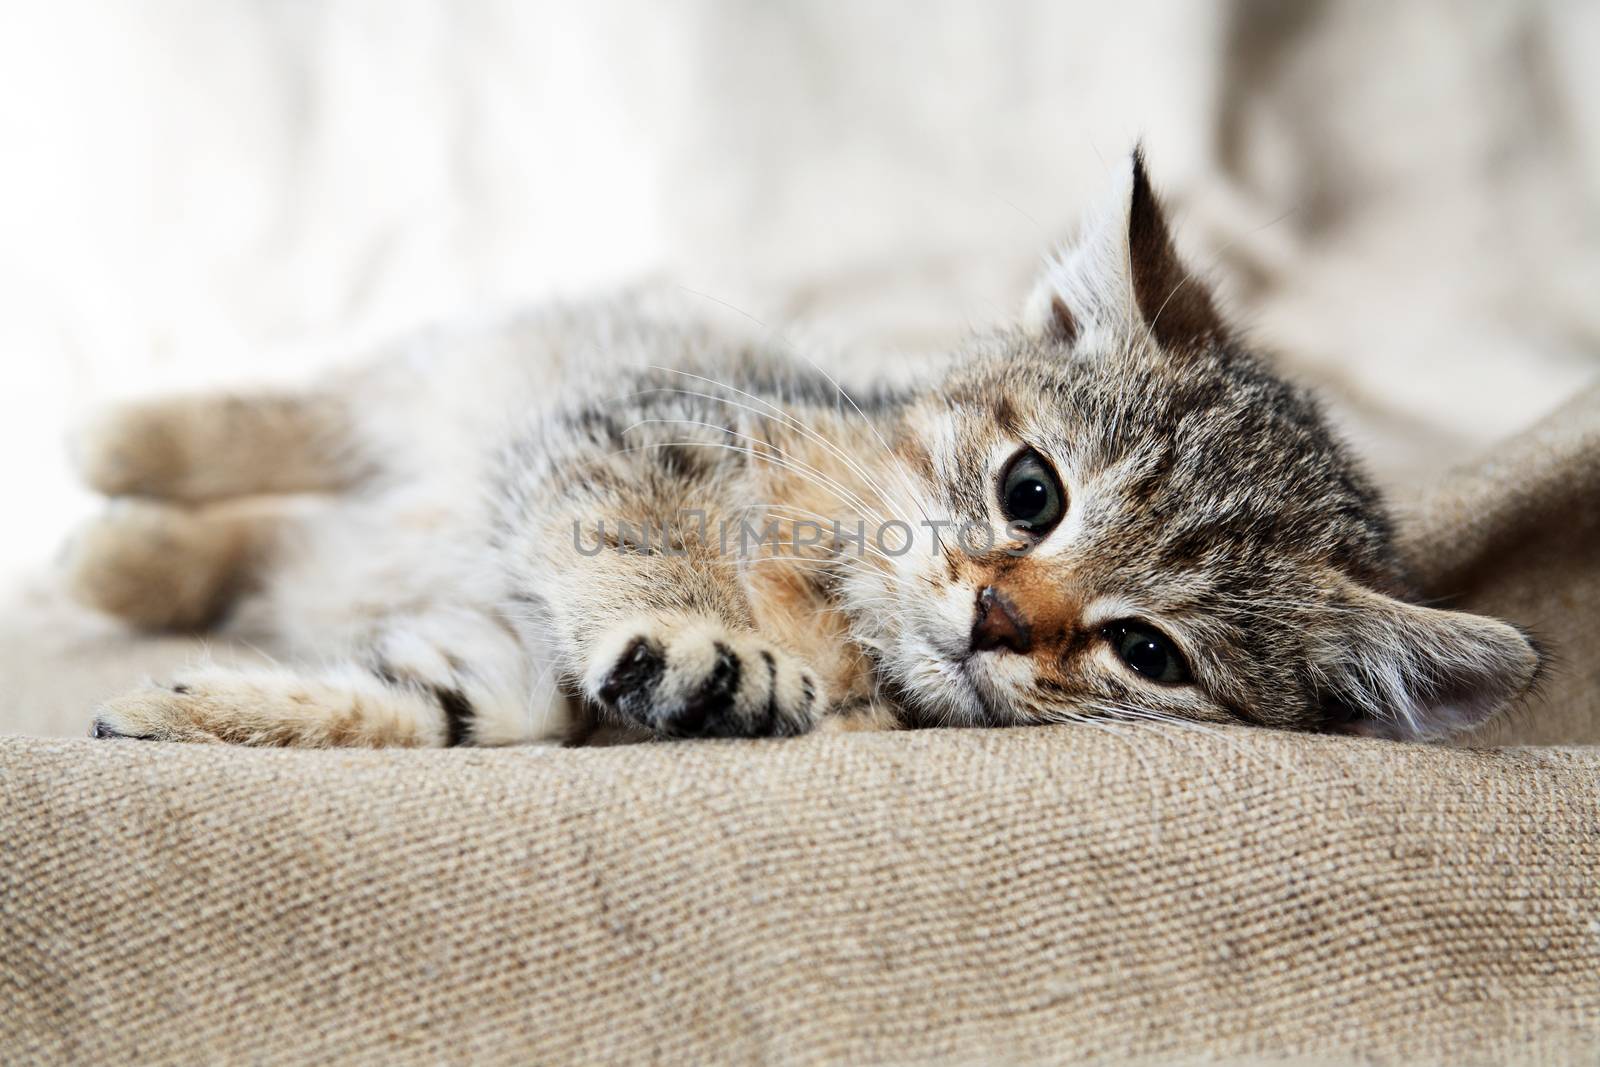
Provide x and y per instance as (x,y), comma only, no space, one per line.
(1030,492)
(1147,651)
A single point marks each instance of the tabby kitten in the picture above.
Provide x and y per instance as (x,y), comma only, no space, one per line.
(1111,510)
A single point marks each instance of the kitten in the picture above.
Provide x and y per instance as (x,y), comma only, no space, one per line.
(1111,510)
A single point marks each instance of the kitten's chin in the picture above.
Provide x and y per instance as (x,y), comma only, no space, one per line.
(941,689)
(990,698)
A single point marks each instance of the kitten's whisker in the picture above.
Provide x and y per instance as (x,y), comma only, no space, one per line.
(894,464)
(829,562)
(1287,607)
(787,418)
(795,350)
(840,490)
(1154,724)
(1210,730)
(781,459)
(743,451)
(893,461)
(1074,718)
(792,420)
(813,515)
(546,677)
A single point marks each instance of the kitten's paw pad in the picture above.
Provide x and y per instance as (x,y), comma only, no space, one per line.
(704,681)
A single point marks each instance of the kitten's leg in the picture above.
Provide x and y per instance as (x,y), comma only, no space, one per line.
(661,634)
(449,677)
(161,567)
(193,449)
(342,707)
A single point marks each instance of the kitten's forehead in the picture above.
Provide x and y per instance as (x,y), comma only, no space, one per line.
(1205,463)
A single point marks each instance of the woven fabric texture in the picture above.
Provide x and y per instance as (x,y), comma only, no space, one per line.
(1047,895)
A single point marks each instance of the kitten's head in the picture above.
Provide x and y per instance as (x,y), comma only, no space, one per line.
(1176,531)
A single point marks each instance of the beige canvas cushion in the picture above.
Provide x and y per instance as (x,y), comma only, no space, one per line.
(1035,895)
(1044,895)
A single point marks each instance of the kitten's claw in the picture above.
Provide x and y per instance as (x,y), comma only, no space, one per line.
(700,680)
(102,728)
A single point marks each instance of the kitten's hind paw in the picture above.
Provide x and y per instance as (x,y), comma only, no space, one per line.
(156,567)
(699,679)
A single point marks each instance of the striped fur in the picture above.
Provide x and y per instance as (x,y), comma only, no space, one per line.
(501,544)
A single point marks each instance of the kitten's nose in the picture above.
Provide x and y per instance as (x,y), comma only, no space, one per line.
(999,624)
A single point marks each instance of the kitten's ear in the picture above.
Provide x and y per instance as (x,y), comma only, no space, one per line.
(1122,271)
(1411,673)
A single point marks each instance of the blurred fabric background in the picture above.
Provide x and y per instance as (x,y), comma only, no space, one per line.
(1400,200)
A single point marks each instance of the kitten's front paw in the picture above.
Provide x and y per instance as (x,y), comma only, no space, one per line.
(703,680)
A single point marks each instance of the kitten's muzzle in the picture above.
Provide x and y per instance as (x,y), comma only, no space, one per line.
(999,624)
